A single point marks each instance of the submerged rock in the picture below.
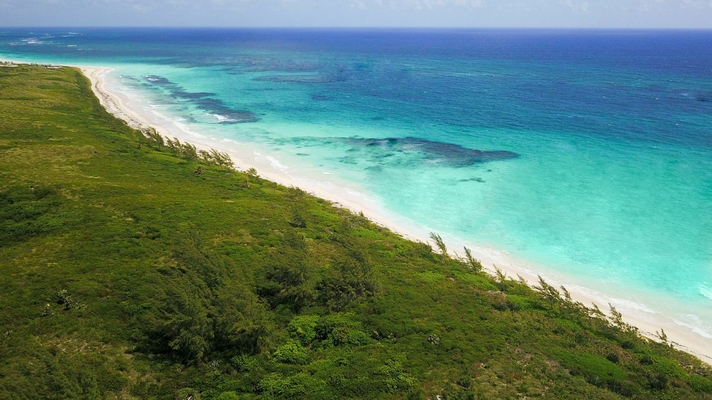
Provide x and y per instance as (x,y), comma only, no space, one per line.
(205,101)
(449,153)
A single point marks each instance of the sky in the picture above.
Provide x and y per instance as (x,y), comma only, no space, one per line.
(694,14)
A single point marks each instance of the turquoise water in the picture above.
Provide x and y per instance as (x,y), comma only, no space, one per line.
(586,153)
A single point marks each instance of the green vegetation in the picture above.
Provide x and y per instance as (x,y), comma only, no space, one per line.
(138,268)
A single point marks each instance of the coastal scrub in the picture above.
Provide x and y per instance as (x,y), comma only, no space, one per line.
(138,267)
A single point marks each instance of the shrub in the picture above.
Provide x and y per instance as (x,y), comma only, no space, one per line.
(69,303)
(350,280)
(228,396)
(646,360)
(291,353)
(622,388)
(700,384)
(439,243)
(592,367)
(297,386)
(243,363)
(303,328)
(397,379)
(474,264)
(658,382)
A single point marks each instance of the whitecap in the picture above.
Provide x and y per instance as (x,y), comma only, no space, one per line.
(222,118)
(622,304)
(186,129)
(693,325)
(706,291)
(276,164)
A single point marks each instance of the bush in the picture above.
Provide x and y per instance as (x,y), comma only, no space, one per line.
(69,303)
(622,388)
(474,264)
(228,396)
(595,369)
(277,386)
(658,382)
(188,393)
(291,353)
(243,363)
(700,384)
(303,328)
(349,280)
(397,379)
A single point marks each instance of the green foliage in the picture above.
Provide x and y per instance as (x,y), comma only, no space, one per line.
(303,328)
(550,294)
(340,330)
(227,396)
(430,276)
(397,379)
(700,384)
(25,212)
(349,280)
(474,264)
(590,366)
(439,243)
(296,386)
(69,303)
(288,273)
(184,279)
(291,353)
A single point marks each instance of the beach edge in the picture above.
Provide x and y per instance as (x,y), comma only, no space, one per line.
(682,339)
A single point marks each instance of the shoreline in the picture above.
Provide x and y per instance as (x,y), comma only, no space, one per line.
(683,338)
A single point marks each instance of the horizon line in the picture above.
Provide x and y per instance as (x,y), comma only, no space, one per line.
(450,28)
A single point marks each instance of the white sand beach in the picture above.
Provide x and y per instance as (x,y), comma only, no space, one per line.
(354,199)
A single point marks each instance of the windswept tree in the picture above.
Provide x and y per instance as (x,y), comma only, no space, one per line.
(473,263)
(350,278)
(439,243)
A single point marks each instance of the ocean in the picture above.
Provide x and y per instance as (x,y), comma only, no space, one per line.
(584,156)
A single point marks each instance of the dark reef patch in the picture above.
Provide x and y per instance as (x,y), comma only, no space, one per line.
(294,79)
(448,153)
(321,97)
(159,80)
(205,101)
(187,95)
(479,180)
(703,96)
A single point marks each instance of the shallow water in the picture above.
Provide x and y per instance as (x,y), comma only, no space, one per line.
(586,153)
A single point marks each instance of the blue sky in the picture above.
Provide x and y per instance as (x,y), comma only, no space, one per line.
(361,13)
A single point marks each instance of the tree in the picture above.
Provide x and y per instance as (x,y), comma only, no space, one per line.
(474,264)
(439,243)
(350,279)
(551,295)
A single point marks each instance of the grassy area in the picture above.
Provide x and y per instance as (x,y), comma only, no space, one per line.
(136,269)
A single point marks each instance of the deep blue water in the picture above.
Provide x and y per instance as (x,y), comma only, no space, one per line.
(586,153)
